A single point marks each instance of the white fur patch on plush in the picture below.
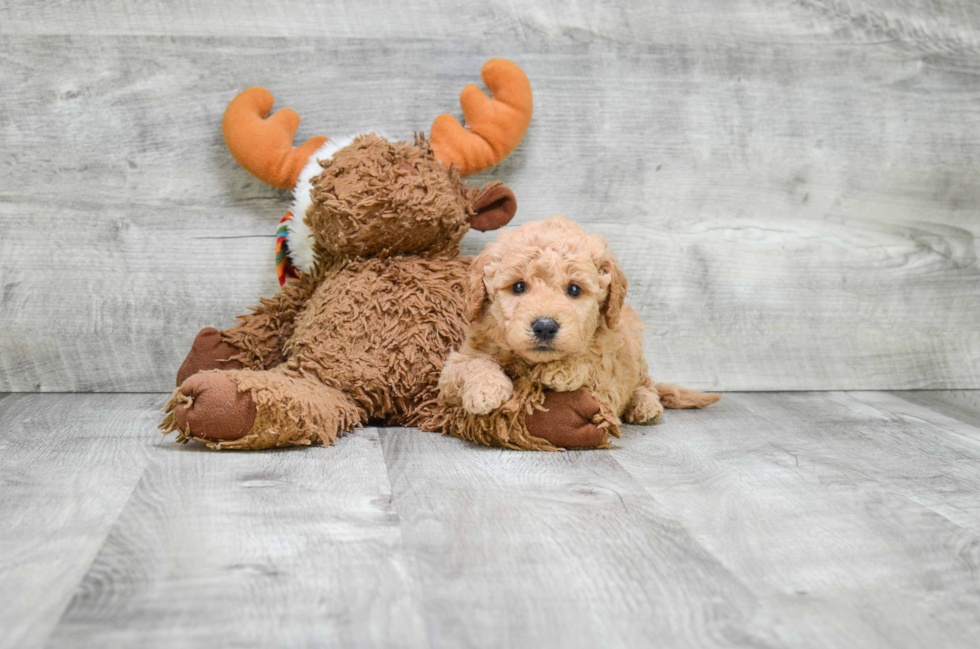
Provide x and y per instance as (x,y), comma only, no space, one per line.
(300,240)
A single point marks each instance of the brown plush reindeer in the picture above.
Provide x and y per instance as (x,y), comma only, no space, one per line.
(376,300)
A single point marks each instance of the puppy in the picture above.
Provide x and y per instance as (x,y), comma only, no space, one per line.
(546,302)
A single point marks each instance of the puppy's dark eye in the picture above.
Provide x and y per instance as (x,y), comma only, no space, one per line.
(518,288)
(574,290)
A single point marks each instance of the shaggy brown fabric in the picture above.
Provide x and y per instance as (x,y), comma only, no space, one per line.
(380,329)
(369,343)
(261,335)
(379,197)
(296,408)
(208,352)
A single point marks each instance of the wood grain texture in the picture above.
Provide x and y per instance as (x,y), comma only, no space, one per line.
(68,465)
(767,520)
(854,525)
(290,548)
(943,26)
(790,184)
(961,405)
(562,549)
(924,456)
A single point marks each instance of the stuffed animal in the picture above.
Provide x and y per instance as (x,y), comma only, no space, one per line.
(546,305)
(373,287)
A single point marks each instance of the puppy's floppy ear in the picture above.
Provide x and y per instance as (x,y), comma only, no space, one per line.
(613,305)
(474,288)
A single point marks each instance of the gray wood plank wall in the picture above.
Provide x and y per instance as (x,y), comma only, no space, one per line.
(792,185)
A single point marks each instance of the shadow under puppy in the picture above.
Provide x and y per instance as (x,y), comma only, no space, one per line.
(547,311)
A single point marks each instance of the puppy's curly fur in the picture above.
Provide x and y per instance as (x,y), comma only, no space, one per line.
(554,270)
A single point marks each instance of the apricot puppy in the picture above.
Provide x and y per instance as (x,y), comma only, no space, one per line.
(546,302)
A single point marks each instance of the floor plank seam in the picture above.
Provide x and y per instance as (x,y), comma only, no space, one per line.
(95,556)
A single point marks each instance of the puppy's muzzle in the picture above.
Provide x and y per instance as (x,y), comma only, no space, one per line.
(545,329)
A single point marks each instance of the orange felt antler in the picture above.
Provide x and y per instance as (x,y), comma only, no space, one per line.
(265,146)
(494,126)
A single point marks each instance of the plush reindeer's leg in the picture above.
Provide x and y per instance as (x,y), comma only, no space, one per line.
(256,342)
(250,409)
(644,406)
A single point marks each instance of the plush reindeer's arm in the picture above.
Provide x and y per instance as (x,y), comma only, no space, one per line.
(259,336)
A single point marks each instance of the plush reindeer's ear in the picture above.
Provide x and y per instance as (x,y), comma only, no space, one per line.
(613,305)
(475,289)
(495,206)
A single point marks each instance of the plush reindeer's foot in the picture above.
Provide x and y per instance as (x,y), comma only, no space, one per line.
(257,409)
(209,352)
(568,420)
(210,407)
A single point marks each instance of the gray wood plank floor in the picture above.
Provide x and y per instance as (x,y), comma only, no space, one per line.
(769,520)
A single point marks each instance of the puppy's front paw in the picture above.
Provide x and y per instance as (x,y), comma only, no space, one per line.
(485,397)
(644,407)
(643,411)
(564,377)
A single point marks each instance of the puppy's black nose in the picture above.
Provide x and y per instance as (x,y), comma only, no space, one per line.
(544,328)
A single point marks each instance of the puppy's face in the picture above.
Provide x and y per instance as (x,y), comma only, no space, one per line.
(543,291)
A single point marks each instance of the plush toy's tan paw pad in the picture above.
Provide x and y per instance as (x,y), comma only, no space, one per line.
(567,420)
(209,352)
(215,409)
